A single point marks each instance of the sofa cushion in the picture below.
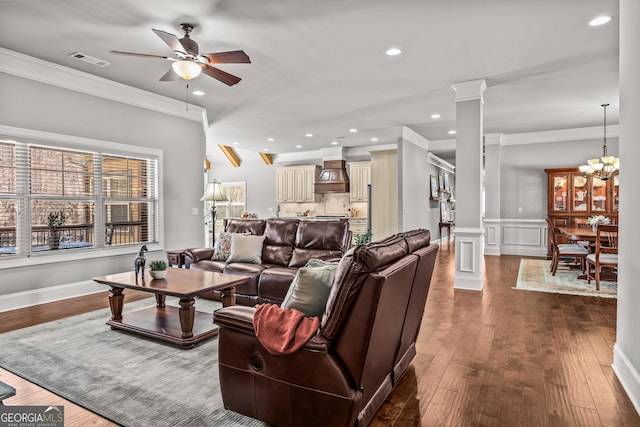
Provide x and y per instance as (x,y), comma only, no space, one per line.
(280,237)
(417,239)
(274,283)
(222,248)
(246,269)
(246,248)
(208,265)
(310,288)
(250,226)
(319,239)
(351,273)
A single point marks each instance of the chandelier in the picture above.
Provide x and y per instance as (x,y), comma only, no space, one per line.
(606,166)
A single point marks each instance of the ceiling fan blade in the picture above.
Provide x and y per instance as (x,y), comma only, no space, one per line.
(142,55)
(233,57)
(169,76)
(171,40)
(223,76)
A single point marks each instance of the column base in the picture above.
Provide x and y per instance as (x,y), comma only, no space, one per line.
(469,259)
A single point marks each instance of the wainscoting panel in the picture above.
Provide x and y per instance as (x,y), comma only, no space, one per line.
(466,256)
(525,237)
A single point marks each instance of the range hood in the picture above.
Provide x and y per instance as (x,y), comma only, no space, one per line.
(333,178)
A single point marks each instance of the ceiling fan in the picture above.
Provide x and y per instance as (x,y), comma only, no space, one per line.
(188,63)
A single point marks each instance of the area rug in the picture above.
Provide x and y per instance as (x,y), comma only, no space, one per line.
(534,275)
(129,379)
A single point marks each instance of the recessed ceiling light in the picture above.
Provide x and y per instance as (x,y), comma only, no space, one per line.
(394,51)
(600,20)
(270,139)
(198,92)
(236,143)
(374,139)
(334,142)
(353,130)
(308,135)
(298,146)
(435,116)
(265,149)
(452,132)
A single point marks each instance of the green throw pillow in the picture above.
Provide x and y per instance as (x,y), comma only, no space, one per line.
(246,248)
(310,288)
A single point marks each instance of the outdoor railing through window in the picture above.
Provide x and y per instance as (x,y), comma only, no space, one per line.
(76,199)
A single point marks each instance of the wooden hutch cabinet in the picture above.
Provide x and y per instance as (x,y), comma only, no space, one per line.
(573,197)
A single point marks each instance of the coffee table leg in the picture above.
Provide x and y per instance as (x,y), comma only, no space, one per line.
(228,296)
(187,316)
(116,298)
(160,298)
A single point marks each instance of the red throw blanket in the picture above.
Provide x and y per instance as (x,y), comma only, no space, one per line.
(283,330)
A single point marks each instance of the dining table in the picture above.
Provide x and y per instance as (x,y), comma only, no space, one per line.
(585,234)
(579,233)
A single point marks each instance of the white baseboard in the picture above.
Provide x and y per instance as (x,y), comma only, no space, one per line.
(627,375)
(45,295)
(535,251)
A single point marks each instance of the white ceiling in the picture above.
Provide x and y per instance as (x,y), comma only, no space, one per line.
(320,66)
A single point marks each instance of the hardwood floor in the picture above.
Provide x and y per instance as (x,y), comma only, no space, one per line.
(500,357)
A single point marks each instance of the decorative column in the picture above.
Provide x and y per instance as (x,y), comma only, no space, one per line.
(469,230)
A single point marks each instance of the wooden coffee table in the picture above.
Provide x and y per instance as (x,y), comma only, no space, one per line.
(184,325)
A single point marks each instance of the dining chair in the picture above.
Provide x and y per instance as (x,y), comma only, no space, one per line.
(606,252)
(568,250)
(582,223)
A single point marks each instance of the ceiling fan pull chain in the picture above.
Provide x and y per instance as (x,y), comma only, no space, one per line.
(187,95)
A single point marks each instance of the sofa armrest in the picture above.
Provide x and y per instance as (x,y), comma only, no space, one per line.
(241,318)
(198,254)
(235,317)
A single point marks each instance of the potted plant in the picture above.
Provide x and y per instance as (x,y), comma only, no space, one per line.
(363,237)
(158,269)
(55,221)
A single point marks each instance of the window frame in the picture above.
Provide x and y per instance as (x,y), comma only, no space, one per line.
(24,137)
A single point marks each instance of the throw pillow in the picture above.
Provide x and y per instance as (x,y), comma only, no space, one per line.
(222,248)
(310,289)
(246,248)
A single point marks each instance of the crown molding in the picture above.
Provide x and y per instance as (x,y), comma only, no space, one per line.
(28,67)
(562,135)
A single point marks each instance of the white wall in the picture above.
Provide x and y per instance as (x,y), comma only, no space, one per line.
(30,104)
(413,194)
(523,182)
(626,361)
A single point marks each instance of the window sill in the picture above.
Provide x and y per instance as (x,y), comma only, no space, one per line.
(69,255)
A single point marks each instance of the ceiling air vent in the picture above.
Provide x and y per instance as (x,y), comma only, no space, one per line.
(90,59)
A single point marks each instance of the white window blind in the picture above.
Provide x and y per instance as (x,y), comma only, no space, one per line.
(99,199)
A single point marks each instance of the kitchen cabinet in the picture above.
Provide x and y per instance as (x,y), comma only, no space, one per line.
(357,226)
(295,184)
(359,179)
(573,197)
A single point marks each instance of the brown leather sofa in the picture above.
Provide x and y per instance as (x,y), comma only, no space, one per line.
(288,245)
(365,342)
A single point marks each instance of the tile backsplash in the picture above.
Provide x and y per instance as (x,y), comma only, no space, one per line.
(330,204)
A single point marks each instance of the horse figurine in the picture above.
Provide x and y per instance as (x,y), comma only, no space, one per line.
(140,261)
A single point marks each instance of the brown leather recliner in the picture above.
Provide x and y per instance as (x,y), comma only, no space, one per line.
(365,342)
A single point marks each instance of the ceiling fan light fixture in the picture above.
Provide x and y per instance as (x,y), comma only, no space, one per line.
(186,69)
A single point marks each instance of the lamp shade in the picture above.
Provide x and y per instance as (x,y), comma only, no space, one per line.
(186,69)
(214,193)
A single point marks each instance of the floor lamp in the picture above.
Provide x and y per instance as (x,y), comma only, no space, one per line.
(214,194)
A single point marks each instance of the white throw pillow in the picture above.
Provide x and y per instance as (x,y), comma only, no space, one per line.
(246,248)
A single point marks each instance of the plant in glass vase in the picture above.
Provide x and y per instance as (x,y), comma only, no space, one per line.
(593,221)
(55,221)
